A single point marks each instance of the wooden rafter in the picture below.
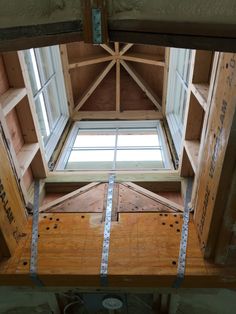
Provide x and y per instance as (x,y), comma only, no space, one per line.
(142,84)
(118,86)
(144,58)
(94,85)
(108,49)
(125,49)
(90,60)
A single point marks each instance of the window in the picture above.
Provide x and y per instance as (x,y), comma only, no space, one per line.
(47,83)
(177,92)
(115,146)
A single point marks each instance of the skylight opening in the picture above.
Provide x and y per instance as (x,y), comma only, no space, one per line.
(121,147)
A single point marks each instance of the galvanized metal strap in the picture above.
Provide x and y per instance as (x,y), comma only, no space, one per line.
(107,231)
(34,240)
(97,26)
(184,237)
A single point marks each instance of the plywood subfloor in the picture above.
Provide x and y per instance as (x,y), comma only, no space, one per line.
(144,250)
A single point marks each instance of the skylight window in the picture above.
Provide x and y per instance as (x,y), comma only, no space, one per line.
(115,146)
(47,84)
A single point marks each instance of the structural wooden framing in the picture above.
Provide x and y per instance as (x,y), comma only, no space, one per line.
(145,240)
(80,58)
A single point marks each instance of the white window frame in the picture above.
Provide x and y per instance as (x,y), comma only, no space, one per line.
(174,103)
(132,125)
(58,78)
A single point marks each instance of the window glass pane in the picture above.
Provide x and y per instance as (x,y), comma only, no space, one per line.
(42,117)
(53,102)
(138,138)
(46,63)
(91,155)
(92,139)
(33,72)
(138,155)
(142,159)
(93,159)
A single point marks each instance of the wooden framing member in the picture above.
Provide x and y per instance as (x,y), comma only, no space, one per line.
(154,196)
(94,85)
(67,80)
(143,58)
(147,90)
(218,157)
(114,115)
(89,61)
(108,49)
(125,49)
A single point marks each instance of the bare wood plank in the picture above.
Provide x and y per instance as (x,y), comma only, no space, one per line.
(165,80)
(73,194)
(67,79)
(142,84)
(118,86)
(108,49)
(26,155)
(144,58)
(112,115)
(117,47)
(154,196)
(125,49)
(192,149)
(218,156)
(205,122)
(76,63)
(13,155)
(94,85)
(12,212)
(200,91)
(11,98)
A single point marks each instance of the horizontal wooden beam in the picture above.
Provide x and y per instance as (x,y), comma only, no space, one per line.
(121,176)
(11,98)
(114,115)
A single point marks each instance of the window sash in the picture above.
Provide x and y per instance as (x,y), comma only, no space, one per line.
(117,126)
(45,63)
(178,82)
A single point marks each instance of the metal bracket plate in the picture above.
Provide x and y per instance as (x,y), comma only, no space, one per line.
(184,237)
(34,240)
(107,231)
(97,26)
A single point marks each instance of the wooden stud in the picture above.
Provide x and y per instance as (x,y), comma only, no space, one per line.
(67,79)
(118,86)
(165,80)
(11,98)
(218,156)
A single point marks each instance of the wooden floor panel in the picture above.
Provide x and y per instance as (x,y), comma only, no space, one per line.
(144,249)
